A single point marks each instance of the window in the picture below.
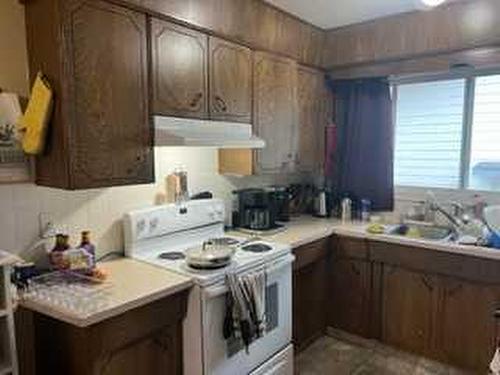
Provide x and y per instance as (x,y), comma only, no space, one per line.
(448,133)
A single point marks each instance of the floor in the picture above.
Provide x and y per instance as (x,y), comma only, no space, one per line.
(329,355)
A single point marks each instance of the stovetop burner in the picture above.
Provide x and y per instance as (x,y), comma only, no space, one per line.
(174,255)
(257,248)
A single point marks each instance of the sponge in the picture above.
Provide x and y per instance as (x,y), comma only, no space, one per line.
(34,122)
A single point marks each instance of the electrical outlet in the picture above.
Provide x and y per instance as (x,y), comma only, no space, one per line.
(46,224)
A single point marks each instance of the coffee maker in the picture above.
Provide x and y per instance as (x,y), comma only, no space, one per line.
(256,209)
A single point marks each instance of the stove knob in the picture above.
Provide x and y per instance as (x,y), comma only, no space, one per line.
(140,226)
(153,224)
(219,212)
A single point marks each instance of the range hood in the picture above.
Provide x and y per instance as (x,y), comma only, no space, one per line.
(176,131)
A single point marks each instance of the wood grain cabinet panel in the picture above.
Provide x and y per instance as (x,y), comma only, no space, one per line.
(159,351)
(95,55)
(409,304)
(466,329)
(311,130)
(349,296)
(230,81)
(145,340)
(179,70)
(275,113)
(309,293)
(111,133)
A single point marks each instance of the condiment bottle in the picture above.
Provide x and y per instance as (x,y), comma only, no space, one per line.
(87,245)
(56,254)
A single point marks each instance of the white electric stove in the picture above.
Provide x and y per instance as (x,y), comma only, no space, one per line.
(161,235)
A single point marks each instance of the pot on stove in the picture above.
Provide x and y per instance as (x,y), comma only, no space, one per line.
(212,254)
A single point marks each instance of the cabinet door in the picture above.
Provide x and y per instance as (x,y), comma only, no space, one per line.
(230,81)
(179,67)
(350,295)
(309,292)
(110,134)
(158,353)
(275,112)
(409,303)
(311,120)
(466,325)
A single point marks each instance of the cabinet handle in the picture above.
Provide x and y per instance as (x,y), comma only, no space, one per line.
(427,284)
(220,104)
(196,100)
(452,291)
(355,270)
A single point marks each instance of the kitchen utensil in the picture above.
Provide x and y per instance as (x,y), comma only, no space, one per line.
(214,253)
(320,204)
(346,210)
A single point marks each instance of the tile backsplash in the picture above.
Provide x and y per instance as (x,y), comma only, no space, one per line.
(101,210)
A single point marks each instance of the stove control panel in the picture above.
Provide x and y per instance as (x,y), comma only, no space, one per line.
(162,220)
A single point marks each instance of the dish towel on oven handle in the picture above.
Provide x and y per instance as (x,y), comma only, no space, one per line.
(245,307)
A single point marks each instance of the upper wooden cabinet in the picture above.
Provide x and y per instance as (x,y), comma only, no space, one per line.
(179,70)
(275,112)
(230,80)
(95,55)
(413,34)
(314,115)
(253,23)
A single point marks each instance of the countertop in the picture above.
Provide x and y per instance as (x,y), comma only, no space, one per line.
(305,229)
(133,284)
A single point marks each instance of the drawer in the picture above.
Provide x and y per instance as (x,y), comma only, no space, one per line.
(349,247)
(310,253)
(461,266)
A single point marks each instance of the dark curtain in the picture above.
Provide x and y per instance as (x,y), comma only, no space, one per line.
(364,167)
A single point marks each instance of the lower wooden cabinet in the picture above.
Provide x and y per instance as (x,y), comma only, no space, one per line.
(438,305)
(408,310)
(466,328)
(146,340)
(348,300)
(309,287)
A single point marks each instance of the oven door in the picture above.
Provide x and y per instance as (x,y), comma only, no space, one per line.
(228,357)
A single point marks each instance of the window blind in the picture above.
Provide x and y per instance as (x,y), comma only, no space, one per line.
(429,127)
(484,172)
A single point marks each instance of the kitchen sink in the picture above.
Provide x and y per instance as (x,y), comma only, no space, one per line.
(422,231)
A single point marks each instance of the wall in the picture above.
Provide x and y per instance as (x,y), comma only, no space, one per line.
(98,210)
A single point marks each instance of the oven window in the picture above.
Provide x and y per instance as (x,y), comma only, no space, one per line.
(234,344)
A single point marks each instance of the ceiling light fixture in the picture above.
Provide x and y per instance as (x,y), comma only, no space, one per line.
(431,3)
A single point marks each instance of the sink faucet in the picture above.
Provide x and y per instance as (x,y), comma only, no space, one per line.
(457,220)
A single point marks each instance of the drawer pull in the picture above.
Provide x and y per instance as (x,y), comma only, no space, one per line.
(196,100)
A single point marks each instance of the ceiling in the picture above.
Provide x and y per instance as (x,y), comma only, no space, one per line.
(329,14)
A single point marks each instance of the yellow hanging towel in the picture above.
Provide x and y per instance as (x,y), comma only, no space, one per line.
(34,122)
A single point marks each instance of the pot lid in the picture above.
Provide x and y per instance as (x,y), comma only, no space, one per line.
(212,251)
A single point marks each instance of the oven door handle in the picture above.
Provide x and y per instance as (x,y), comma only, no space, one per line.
(223,289)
